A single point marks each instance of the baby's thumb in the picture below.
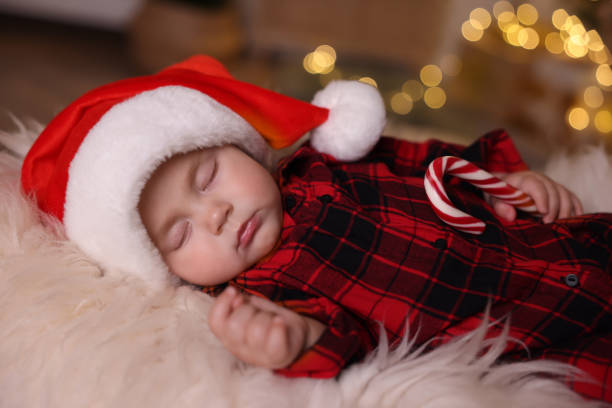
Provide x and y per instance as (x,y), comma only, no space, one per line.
(504,210)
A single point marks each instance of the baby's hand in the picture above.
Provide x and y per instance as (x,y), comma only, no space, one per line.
(260,332)
(552,200)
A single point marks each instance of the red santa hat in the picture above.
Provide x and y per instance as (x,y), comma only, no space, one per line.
(90,164)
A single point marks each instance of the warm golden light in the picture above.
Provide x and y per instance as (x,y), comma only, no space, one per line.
(434,97)
(578,118)
(480,18)
(604,75)
(559,17)
(327,49)
(603,121)
(511,35)
(414,89)
(553,43)
(320,61)
(470,32)
(369,81)
(451,65)
(594,41)
(502,6)
(401,103)
(574,50)
(599,57)
(431,75)
(527,14)
(528,38)
(506,20)
(593,97)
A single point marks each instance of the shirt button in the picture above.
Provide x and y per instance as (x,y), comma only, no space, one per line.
(571,280)
(325,198)
(440,243)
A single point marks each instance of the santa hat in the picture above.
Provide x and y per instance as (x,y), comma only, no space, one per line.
(90,164)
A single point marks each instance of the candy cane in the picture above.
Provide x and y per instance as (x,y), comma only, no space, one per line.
(488,183)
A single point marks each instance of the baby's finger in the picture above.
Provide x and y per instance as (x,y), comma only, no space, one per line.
(259,329)
(277,342)
(237,324)
(221,309)
(536,189)
(565,202)
(553,200)
(576,205)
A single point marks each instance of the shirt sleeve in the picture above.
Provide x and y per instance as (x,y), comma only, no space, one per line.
(344,340)
(494,152)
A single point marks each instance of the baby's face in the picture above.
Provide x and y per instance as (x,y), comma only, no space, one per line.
(211,213)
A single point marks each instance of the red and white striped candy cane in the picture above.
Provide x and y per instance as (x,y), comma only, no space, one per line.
(487,182)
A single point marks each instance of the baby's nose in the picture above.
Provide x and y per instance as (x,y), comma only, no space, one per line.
(218,213)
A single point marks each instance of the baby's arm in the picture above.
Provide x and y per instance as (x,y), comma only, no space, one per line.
(260,332)
(552,200)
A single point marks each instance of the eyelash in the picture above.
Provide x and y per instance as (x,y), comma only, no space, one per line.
(184,235)
(209,180)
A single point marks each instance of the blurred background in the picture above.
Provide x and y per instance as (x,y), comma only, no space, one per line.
(452,69)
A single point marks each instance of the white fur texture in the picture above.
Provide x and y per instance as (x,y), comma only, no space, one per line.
(356,119)
(72,337)
(127,144)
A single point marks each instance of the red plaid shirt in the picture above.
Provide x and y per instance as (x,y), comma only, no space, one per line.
(361,247)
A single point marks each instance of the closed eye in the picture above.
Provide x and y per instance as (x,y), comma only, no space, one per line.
(205,175)
(179,234)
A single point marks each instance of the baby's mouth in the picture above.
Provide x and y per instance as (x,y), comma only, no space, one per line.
(247,231)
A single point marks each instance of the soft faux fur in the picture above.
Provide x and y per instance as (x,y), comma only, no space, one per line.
(74,337)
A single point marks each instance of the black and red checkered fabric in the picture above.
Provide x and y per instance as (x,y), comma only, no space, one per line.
(362,246)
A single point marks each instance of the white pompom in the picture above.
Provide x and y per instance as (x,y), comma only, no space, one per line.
(356,120)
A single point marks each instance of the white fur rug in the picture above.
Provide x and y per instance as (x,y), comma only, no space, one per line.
(71,337)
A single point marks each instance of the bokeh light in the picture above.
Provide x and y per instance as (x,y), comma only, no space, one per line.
(553,43)
(604,75)
(528,38)
(434,97)
(603,121)
(506,20)
(470,32)
(401,103)
(527,14)
(501,7)
(321,61)
(368,80)
(511,35)
(414,89)
(431,75)
(480,18)
(559,17)
(578,118)
(593,97)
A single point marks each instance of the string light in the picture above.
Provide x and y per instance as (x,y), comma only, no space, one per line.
(470,32)
(528,38)
(501,7)
(603,121)
(369,81)
(480,18)
(578,118)
(321,61)
(553,43)
(414,89)
(527,14)
(401,103)
(431,75)
(434,97)
(593,97)
(604,75)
